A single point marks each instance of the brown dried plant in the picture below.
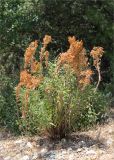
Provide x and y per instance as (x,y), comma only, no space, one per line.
(31,66)
(44,54)
(30,51)
(97,53)
(76,57)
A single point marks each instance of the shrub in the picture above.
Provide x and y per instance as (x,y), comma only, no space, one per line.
(8,109)
(59,107)
(57,98)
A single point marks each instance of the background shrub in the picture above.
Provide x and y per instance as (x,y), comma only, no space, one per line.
(8,109)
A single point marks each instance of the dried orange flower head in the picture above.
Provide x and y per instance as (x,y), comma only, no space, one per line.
(97,52)
(24,77)
(75,45)
(85,77)
(71,39)
(47,39)
(30,51)
(34,44)
(87,73)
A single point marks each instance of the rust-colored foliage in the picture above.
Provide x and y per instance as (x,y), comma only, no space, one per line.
(44,54)
(76,57)
(31,66)
(85,77)
(30,51)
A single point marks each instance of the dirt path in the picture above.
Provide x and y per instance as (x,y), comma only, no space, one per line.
(96,144)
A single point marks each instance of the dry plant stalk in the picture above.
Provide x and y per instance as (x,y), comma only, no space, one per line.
(97,53)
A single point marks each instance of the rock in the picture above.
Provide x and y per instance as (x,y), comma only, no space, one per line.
(71,157)
(63,140)
(91,152)
(110,131)
(19,141)
(25,158)
(7,158)
(82,144)
(109,142)
(50,146)
(29,145)
(69,149)
(101,152)
(43,152)
(35,156)
(79,149)
(63,151)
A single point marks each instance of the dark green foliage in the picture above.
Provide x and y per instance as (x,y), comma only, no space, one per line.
(22,21)
(8,109)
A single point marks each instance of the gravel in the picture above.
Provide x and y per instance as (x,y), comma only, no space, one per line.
(78,146)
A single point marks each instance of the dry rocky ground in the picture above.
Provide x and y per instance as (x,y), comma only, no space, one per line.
(95,144)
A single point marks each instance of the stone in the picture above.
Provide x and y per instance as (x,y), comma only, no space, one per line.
(79,149)
(35,156)
(25,158)
(19,141)
(109,142)
(90,152)
(7,158)
(29,145)
(63,140)
(110,131)
(82,144)
(71,157)
(69,149)
(43,152)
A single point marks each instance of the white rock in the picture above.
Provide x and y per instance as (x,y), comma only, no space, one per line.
(44,150)
(35,156)
(109,142)
(79,149)
(82,144)
(29,145)
(25,158)
(90,152)
(63,140)
(110,131)
(19,141)
(71,157)
(69,149)
(7,158)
